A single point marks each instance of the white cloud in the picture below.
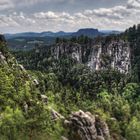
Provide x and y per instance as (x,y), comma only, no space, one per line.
(117,17)
(53,15)
(46,15)
(133,4)
(6,4)
(6,21)
(22,3)
(28,3)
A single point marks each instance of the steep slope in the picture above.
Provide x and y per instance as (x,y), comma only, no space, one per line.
(91,75)
(133,36)
(20,99)
(22,111)
(102,54)
(98,55)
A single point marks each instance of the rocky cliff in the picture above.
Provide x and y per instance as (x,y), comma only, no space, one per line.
(99,55)
(85,126)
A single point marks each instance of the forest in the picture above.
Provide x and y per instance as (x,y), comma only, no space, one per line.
(38,91)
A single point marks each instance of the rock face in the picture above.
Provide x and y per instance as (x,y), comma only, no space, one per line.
(2,58)
(44,99)
(113,54)
(85,126)
(55,115)
(2,38)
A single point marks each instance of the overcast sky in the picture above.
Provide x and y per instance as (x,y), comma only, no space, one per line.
(67,15)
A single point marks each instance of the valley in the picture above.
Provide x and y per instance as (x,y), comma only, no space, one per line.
(78,88)
(69,70)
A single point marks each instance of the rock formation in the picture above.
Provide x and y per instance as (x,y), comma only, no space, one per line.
(2,42)
(2,39)
(99,55)
(2,58)
(85,126)
(55,115)
(44,99)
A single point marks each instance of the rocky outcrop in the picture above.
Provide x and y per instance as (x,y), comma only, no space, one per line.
(44,99)
(2,39)
(2,42)
(69,49)
(115,55)
(85,126)
(55,115)
(99,55)
(2,58)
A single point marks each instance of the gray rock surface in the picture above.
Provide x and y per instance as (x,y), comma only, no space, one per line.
(44,99)
(85,126)
(113,54)
(2,58)
(55,115)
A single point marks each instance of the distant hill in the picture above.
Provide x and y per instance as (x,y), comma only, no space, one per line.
(109,32)
(28,40)
(27,43)
(34,34)
(90,32)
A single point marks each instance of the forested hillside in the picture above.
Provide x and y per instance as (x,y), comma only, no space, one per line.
(23,114)
(39,89)
(133,36)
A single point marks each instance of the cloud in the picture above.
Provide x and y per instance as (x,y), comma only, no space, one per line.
(117,17)
(46,15)
(5,4)
(133,4)
(53,15)
(22,3)
(112,13)
(12,4)
(28,3)
(7,21)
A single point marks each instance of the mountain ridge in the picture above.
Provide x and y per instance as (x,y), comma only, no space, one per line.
(28,40)
(90,32)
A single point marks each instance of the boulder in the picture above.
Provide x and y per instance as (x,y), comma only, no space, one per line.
(64,138)
(22,68)
(44,99)
(35,81)
(2,58)
(55,115)
(2,39)
(85,126)
(25,107)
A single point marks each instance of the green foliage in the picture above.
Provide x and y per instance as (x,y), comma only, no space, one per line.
(133,129)
(69,87)
(133,36)
(22,112)
(11,123)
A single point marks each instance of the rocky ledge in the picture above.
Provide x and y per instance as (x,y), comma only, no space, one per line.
(85,126)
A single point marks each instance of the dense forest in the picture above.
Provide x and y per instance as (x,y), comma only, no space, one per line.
(39,91)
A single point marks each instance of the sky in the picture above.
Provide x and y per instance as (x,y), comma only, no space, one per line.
(67,15)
